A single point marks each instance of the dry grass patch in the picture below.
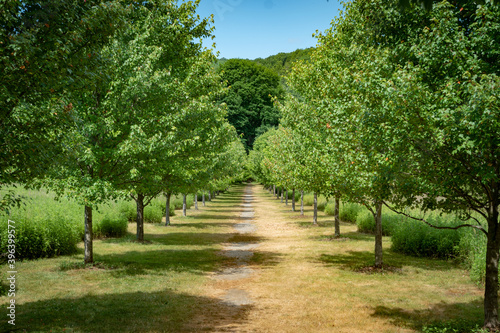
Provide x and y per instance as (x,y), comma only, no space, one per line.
(319,283)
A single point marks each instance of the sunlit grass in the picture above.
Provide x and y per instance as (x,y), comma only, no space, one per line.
(157,286)
(305,280)
(319,283)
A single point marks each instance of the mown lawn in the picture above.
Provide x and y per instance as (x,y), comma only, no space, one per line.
(304,280)
(157,286)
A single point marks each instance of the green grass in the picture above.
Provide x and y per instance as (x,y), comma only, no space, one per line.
(163,285)
(157,286)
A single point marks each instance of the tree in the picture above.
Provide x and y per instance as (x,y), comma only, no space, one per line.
(46,49)
(172,90)
(249,100)
(122,133)
(439,95)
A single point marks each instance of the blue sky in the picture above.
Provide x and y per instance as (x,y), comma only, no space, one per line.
(260,28)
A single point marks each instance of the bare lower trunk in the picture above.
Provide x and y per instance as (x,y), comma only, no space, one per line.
(167,209)
(140,217)
(281,194)
(301,202)
(378,234)
(203,198)
(315,208)
(274,190)
(184,205)
(209,195)
(286,197)
(337,217)
(89,253)
(196,201)
(293,200)
(491,282)
(277,193)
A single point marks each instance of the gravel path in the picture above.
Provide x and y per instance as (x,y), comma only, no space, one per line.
(241,252)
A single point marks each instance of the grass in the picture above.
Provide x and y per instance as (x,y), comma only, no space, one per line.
(165,285)
(327,290)
(155,287)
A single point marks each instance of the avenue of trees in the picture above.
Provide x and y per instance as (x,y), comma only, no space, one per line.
(398,108)
(106,100)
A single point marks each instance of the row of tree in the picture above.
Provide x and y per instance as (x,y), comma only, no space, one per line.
(111,99)
(399,108)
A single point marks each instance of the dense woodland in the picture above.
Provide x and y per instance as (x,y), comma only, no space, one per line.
(106,101)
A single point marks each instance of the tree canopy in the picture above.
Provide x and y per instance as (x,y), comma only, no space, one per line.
(250,98)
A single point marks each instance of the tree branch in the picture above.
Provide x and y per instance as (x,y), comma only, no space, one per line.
(478,227)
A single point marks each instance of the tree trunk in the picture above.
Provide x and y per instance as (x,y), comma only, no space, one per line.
(286,197)
(209,195)
(167,209)
(378,234)
(184,205)
(89,253)
(203,198)
(196,201)
(293,200)
(337,217)
(277,193)
(274,190)
(281,194)
(301,202)
(491,282)
(140,217)
(315,208)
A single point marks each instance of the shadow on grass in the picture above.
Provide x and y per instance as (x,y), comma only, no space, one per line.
(348,236)
(226,199)
(209,209)
(354,260)
(200,225)
(320,224)
(132,263)
(163,311)
(444,317)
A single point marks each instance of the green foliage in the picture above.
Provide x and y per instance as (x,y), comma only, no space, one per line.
(282,62)
(46,49)
(366,222)
(418,239)
(249,100)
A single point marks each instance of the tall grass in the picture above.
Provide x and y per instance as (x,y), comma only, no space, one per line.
(347,211)
(472,252)
(366,222)
(467,245)
(309,200)
(418,239)
(46,227)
